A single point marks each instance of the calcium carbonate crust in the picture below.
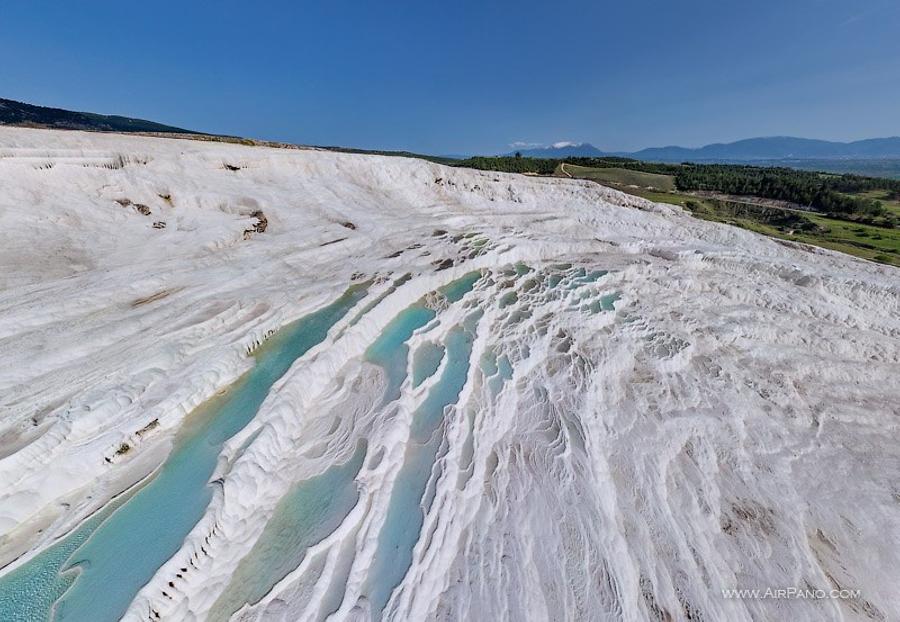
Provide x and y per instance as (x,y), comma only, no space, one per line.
(687,406)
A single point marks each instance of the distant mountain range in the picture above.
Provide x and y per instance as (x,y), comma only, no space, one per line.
(28,115)
(751,149)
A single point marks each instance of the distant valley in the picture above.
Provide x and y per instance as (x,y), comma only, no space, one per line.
(875,156)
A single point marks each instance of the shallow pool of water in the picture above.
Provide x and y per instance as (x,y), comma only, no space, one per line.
(390,351)
(112,557)
(405,513)
(426,361)
(305,516)
(460,287)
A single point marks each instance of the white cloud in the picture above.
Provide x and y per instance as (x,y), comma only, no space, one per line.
(521,144)
(565,143)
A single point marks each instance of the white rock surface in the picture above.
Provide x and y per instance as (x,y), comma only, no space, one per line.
(731,423)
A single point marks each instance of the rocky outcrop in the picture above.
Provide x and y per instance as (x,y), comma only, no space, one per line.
(261,224)
(138,207)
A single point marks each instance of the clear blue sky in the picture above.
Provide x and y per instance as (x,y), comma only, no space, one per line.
(467,76)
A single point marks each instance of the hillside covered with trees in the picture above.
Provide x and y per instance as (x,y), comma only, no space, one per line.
(28,115)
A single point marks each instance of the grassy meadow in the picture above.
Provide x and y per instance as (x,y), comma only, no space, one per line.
(881,244)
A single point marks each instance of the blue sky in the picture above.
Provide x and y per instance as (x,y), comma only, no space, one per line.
(467,76)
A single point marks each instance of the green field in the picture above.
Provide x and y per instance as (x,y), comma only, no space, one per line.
(881,244)
(619,177)
(873,243)
(878,243)
(884,196)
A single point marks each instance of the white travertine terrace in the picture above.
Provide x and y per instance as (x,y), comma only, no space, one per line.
(654,409)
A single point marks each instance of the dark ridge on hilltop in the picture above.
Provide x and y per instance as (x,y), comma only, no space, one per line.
(20,114)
